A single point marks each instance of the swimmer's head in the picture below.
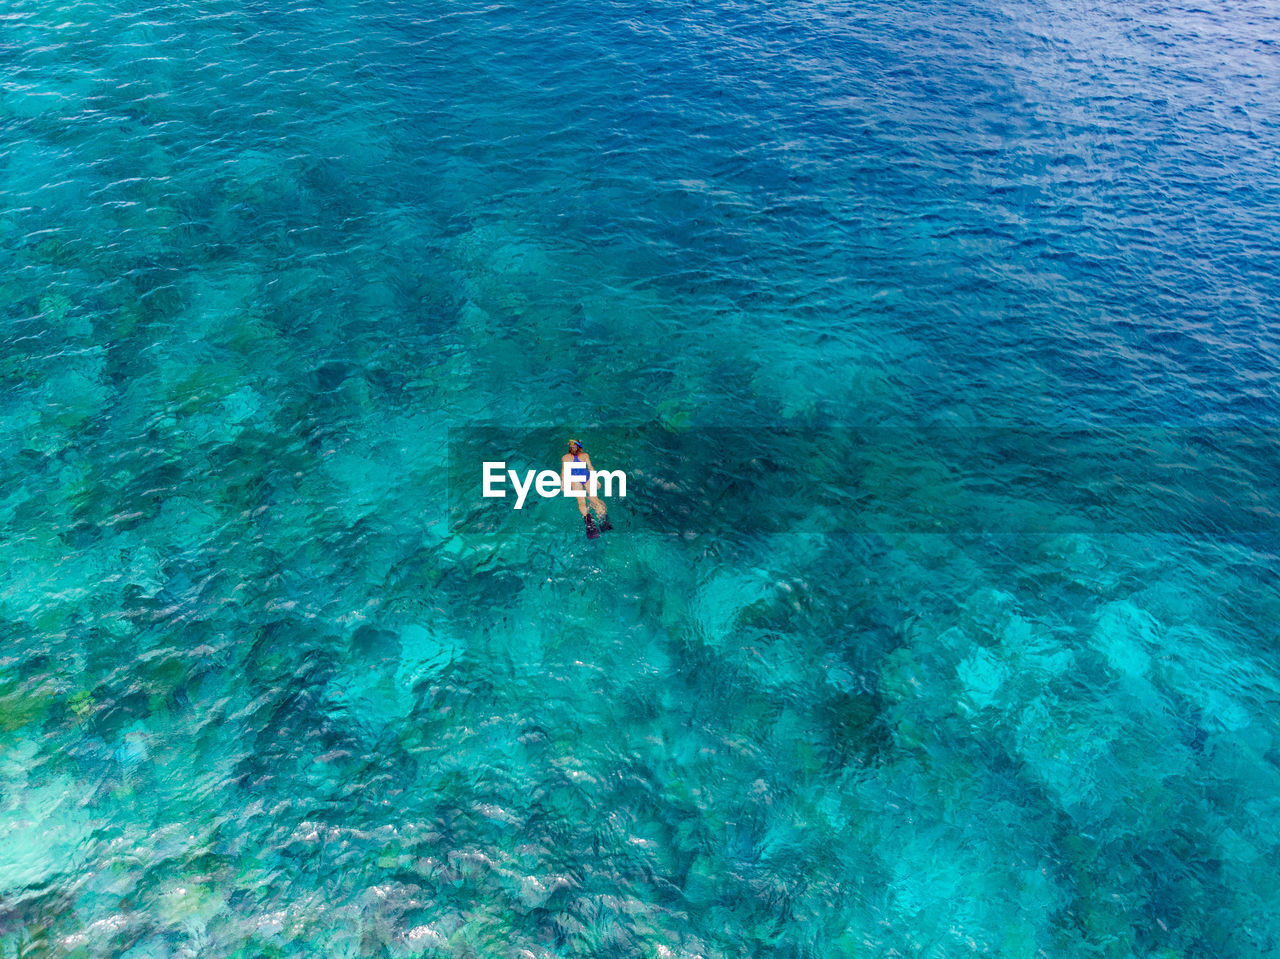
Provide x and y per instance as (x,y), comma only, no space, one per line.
(575,445)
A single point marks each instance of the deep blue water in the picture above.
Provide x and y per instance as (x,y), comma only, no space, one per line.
(267,268)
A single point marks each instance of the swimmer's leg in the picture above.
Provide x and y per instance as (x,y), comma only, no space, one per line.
(597,504)
(592,530)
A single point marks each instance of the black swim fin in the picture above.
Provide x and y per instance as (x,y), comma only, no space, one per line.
(592,532)
(605,525)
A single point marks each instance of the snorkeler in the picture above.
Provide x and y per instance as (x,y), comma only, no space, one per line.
(579,467)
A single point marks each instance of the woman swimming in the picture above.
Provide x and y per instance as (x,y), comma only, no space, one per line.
(578,465)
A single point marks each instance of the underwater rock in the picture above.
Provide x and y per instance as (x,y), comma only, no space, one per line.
(1079,559)
(723,599)
(1227,684)
(673,415)
(1127,636)
(1225,712)
(224,421)
(1033,653)
(1070,755)
(364,476)
(21,707)
(424,937)
(425,653)
(72,396)
(242,405)
(134,749)
(981,675)
(43,836)
(190,522)
(54,307)
(987,608)
(145,570)
(81,704)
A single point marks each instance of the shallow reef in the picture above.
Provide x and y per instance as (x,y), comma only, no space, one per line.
(261,693)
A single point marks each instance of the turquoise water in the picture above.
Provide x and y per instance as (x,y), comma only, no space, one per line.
(263,692)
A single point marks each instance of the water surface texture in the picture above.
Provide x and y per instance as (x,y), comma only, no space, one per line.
(259,696)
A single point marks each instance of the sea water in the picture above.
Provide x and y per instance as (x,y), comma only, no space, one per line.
(264,692)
